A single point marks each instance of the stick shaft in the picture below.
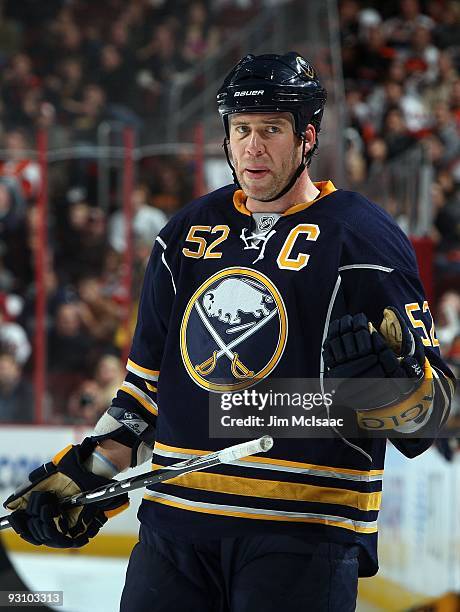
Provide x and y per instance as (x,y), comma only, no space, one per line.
(227,455)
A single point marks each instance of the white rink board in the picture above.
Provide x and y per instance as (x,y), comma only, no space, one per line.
(419,524)
(23,448)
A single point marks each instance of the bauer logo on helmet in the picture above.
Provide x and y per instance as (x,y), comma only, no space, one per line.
(257,92)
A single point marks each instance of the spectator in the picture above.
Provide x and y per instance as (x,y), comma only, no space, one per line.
(7,279)
(82,238)
(12,207)
(99,315)
(441,89)
(161,58)
(69,82)
(14,340)
(147,221)
(455,101)
(421,59)
(355,162)
(88,113)
(446,32)
(201,39)
(447,130)
(11,306)
(395,133)
(112,277)
(113,72)
(10,36)
(19,168)
(70,36)
(375,57)
(448,323)
(68,343)
(399,29)
(16,393)
(109,376)
(18,79)
(55,295)
(20,247)
(447,222)
(377,153)
(435,150)
(85,405)
(170,187)
(349,22)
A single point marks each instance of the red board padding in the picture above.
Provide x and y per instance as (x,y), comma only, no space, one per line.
(424,251)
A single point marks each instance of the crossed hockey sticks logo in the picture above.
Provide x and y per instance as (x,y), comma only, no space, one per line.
(238,369)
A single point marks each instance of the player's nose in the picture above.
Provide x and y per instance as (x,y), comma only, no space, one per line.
(254,145)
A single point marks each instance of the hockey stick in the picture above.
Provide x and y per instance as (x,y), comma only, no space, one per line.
(226,455)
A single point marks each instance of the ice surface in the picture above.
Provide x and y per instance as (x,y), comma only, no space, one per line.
(88,583)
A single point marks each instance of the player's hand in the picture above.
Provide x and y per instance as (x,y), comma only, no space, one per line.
(37,516)
(355,349)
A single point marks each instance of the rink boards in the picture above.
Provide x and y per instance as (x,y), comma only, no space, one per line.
(419,525)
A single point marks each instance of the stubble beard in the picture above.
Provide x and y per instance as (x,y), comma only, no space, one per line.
(276,184)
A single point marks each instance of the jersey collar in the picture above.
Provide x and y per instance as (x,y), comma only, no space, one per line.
(325,188)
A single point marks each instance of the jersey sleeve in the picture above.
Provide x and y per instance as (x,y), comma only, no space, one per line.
(370,289)
(131,418)
(153,315)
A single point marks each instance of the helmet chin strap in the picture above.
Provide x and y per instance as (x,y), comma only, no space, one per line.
(287,187)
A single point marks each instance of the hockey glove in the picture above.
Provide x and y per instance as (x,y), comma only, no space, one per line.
(355,350)
(37,516)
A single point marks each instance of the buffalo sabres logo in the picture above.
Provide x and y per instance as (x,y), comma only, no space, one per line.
(305,67)
(234,330)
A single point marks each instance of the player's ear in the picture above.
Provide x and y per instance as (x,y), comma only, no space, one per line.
(310,136)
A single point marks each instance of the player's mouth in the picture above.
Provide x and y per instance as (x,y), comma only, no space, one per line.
(256,173)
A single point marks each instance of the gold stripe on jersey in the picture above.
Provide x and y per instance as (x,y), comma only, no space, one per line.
(55,460)
(262,514)
(325,189)
(275,489)
(150,387)
(281,464)
(141,371)
(141,397)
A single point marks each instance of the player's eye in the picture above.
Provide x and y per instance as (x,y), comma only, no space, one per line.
(273,129)
(241,129)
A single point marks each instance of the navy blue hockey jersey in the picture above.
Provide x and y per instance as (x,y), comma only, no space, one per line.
(230,298)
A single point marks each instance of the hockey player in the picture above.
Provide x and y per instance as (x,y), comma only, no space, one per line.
(275,276)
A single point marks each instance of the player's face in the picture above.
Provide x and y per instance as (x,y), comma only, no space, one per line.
(265,152)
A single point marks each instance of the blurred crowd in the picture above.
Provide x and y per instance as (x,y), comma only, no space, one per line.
(401,66)
(66,67)
(76,63)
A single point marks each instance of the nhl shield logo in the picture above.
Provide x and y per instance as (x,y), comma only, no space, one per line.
(266,222)
(234,330)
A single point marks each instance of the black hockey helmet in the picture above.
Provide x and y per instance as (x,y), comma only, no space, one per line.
(273,83)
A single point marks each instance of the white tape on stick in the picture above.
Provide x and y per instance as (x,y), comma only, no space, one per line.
(239,451)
